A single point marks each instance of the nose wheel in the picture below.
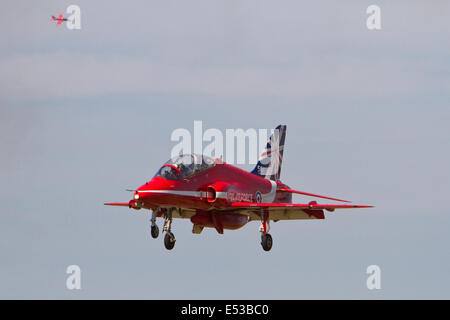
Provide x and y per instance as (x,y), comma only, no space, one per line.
(169,240)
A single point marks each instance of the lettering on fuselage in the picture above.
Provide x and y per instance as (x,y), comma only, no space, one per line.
(239,197)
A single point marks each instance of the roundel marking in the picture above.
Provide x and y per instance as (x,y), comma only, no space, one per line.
(258,197)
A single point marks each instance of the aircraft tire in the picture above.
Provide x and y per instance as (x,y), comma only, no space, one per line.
(154,230)
(266,242)
(169,241)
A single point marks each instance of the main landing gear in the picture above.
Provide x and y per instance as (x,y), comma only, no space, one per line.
(266,238)
(169,238)
(266,241)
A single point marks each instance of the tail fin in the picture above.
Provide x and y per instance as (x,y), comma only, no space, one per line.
(269,164)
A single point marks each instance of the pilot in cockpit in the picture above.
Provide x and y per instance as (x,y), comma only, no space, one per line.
(181,167)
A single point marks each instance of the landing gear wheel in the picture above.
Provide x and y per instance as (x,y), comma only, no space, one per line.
(169,240)
(266,242)
(154,230)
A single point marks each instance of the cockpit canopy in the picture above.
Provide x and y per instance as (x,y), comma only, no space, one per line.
(185,165)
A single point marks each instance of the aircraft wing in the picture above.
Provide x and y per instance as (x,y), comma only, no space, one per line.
(290,211)
(118,204)
(181,213)
(311,194)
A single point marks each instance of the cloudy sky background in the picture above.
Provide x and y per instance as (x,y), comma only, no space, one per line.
(86,114)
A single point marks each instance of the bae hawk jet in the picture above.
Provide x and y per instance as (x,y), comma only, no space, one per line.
(214,194)
(60,19)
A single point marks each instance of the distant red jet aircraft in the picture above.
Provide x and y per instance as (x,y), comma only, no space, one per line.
(217,195)
(60,19)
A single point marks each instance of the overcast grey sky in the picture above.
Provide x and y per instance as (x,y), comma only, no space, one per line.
(86,114)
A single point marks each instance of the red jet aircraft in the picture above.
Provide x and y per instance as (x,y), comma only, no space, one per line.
(60,19)
(214,194)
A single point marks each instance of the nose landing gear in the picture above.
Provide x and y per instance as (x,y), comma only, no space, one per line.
(169,238)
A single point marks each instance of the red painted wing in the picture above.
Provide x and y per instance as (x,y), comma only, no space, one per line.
(311,194)
(311,205)
(119,204)
(289,211)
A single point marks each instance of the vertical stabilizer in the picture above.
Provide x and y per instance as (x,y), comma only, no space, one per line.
(269,164)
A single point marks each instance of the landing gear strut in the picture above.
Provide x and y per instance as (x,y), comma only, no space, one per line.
(266,238)
(169,238)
